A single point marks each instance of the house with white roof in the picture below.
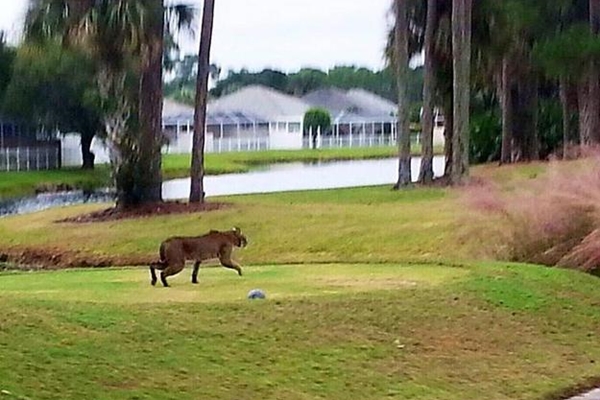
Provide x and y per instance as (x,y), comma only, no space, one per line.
(252,118)
(260,118)
(360,118)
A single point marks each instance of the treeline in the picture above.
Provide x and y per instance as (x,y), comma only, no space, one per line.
(181,86)
(535,72)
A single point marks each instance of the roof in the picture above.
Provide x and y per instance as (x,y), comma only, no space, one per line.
(261,102)
(355,105)
(174,113)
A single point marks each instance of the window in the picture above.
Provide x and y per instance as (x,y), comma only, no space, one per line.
(281,126)
(294,127)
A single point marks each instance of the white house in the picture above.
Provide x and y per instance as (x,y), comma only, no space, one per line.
(259,118)
(252,118)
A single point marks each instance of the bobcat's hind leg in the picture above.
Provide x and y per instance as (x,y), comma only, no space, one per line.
(153,267)
(171,270)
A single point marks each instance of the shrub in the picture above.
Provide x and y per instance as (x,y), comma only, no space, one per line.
(553,220)
(315,119)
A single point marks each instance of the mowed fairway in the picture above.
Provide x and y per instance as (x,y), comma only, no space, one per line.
(371,294)
(326,331)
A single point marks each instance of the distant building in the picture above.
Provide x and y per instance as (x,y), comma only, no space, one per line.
(259,118)
(361,118)
(25,148)
(252,118)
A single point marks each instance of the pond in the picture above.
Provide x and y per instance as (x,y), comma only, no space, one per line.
(301,176)
(267,179)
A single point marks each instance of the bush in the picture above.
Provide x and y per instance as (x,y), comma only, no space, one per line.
(554,220)
(486,136)
(317,119)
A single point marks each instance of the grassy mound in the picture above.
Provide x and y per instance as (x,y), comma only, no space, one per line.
(325,331)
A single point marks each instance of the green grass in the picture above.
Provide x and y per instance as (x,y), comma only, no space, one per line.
(372,294)
(16,184)
(349,225)
(325,331)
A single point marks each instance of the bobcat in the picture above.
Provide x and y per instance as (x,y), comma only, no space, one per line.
(175,251)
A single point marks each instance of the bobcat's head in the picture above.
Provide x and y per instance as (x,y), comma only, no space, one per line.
(241,240)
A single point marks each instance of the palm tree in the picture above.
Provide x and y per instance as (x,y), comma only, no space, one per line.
(125,38)
(204,69)
(461,50)
(592,126)
(401,63)
(426,172)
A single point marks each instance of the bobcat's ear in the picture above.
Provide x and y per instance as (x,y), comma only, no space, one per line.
(236,229)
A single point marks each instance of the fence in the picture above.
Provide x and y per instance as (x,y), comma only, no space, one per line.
(226,145)
(30,158)
(331,142)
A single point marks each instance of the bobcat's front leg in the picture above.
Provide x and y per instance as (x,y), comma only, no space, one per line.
(195,272)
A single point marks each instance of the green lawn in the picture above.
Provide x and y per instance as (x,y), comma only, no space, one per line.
(348,225)
(372,294)
(325,331)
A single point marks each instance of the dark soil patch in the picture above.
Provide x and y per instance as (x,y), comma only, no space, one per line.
(46,258)
(147,210)
(51,259)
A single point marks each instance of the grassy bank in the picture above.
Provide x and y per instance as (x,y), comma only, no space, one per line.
(371,294)
(326,331)
(350,225)
(16,184)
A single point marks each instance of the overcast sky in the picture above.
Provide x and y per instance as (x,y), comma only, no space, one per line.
(282,34)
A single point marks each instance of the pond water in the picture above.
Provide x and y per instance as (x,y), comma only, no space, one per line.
(44,201)
(301,176)
(268,179)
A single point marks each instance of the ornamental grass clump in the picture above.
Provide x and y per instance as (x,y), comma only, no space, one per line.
(551,220)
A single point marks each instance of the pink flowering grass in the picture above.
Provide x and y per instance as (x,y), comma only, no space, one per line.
(551,220)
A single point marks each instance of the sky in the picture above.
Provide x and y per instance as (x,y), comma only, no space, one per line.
(281,34)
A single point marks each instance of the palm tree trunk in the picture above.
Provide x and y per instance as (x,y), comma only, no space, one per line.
(401,63)
(147,172)
(584,111)
(566,117)
(448,134)
(426,172)
(461,55)
(86,153)
(197,169)
(507,112)
(593,96)
(532,150)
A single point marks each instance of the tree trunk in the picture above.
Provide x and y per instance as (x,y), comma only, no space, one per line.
(401,63)
(427,122)
(584,111)
(506,94)
(564,102)
(533,138)
(461,59)
(448,135)
(197,169)
(593,107)
(147,171)
(86,154)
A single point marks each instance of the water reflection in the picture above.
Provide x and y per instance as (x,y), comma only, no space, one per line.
(302,176)
(44,201)
(272,178)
